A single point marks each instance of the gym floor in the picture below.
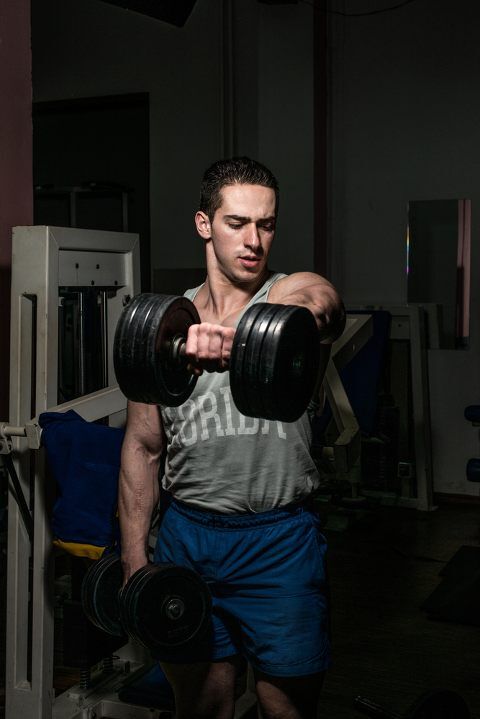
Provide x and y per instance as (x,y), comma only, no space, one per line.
(383,563)
(382,567)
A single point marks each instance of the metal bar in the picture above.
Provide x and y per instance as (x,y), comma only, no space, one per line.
(33,350)
(9,431)
(104,331)
(347,446)
(358,330)
(421,410)
(96,405)
(33,372)
(81,344)
(19,495)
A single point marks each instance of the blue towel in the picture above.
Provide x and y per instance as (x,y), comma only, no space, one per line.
(84,459)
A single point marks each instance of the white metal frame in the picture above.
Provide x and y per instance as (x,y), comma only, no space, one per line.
(347,447)
(43,259)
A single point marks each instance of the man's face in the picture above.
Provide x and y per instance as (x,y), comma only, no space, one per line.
(242,231)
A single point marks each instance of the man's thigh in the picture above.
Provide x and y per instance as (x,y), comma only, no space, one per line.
(288,697)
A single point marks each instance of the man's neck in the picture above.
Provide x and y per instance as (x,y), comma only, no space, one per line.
(220,300)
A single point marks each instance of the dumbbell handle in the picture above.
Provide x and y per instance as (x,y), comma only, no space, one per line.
(371,709)
(177,349)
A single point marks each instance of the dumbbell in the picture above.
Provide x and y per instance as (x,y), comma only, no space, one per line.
(273,367)
(162,606)
(434,704)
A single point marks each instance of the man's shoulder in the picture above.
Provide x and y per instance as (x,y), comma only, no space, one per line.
(192,292)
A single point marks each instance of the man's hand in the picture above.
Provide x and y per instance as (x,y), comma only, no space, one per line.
(208,347)
(310,290)
(131,563)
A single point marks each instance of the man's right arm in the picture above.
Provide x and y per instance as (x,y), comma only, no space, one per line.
(138,490)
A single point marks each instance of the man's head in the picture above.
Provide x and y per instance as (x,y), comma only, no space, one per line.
(237,216)
(238,170)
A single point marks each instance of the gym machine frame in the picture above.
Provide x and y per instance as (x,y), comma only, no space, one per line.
(44,259)
(411,323)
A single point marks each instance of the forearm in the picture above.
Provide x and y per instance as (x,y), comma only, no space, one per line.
(138,497)
(138,494)
(319,296)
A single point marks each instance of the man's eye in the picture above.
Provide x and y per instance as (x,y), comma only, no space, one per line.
(268,227)
(235,226)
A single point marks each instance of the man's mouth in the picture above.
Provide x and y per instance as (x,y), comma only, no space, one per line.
(249,261)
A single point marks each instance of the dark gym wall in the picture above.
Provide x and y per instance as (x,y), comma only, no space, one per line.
(101,144)
(405,125)
(236,78)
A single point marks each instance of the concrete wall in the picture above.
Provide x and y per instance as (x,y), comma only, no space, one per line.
(405,125)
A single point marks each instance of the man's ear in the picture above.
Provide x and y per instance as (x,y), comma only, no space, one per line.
(202,223)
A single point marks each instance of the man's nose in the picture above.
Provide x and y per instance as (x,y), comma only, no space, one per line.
(252,239)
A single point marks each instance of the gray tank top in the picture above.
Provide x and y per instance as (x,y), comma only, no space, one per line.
(220,460)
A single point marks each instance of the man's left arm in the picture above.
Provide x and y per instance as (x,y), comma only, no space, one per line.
(310,290)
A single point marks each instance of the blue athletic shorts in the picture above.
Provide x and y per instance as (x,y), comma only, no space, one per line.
(266,573)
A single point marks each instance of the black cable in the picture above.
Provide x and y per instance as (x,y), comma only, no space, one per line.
(358,14)
(19,495)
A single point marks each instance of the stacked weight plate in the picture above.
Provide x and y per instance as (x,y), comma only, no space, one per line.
(100,589)
(274,362)
(165,606)
(145,367)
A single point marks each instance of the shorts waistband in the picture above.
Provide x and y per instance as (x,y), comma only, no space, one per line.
(237,521)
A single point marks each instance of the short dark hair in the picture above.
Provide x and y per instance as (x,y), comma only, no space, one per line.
(237,170)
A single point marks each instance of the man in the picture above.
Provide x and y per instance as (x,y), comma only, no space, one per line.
(239,485)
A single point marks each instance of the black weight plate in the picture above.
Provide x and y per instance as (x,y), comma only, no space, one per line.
(237,356)
(243,362)
(164,606)
(257,384)
(149,597)
(133,355)
(439,704)
(99,594)
(289,362)
(144,367)
(88,589)
(280,354)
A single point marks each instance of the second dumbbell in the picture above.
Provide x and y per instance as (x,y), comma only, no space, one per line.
(161,606)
